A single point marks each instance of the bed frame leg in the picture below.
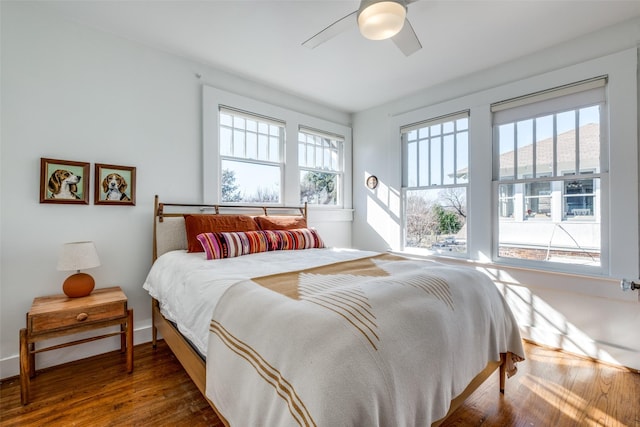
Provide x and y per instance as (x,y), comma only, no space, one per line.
(503,371)
(154,329)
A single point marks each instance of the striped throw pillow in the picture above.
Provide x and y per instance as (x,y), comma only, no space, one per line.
(299,238)
(232,244)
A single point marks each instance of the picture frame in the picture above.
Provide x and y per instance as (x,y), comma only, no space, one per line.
(114,185)
(64,181)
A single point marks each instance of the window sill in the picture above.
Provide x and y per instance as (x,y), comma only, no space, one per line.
(505,274)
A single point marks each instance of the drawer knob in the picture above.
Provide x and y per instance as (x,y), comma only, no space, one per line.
(82,317)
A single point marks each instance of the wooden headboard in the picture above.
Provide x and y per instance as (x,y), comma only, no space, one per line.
(168,220)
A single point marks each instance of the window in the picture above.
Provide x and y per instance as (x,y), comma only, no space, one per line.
(251,157)
(321,167)
(435,178)
(547,170)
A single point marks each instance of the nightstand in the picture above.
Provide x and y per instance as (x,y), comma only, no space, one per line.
(58,315)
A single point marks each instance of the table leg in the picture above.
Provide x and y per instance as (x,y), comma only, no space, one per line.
(32,360)
(130,341)
(154,329)
(123,337)
(25,369)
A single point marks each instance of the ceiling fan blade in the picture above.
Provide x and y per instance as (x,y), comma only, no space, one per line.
(340,26)
(406,39)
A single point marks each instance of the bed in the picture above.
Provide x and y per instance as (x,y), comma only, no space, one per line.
(278,330)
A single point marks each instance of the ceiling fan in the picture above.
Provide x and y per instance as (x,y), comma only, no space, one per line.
(377,20)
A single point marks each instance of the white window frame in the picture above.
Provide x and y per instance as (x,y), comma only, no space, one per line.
(569,97)
(213,99)
(338,170)
(404,130)
(279,163)
(621,251)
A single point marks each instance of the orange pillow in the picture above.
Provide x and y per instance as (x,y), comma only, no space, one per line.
(201,223)
(284,222)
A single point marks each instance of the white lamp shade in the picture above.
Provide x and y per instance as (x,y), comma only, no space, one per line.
(78,256)
(381,20)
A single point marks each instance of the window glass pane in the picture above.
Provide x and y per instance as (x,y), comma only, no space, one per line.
(226,120)
(537,200)
(247,138)
(566,144)
(238,143)
(319,156)
(544,146)
(263,147)
(506,201)
(423,163)
(436,161)
(412,164)
(321,178)
(252,146)
(579,198)
(239,183)
(225,141)
(302,155)
(310,156)
(524,135)
(534,237)
(462,124)
(274,149)
(326,162)
(238,122)
(462,158)
(589,139)
(506,144)
(435,219)
(448,160)
(436,130)
(320,188)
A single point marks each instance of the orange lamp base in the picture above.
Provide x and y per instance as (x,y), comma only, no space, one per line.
(78,285)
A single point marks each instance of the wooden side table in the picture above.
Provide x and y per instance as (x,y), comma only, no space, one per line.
(58,315)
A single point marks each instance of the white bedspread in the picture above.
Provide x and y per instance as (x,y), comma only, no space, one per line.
(390,346)
(188,286)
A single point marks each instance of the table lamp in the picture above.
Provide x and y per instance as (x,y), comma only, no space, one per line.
(78,256)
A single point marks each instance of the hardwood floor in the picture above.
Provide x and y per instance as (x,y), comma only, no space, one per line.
(550,389)
(556,389)
(98,391)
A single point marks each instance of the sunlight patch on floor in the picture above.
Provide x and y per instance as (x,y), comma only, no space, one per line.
(570,404)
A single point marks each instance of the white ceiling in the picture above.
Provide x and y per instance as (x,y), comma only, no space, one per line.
(261,40)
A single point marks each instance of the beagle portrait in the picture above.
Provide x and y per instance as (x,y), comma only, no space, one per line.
(114,186)
(63,185)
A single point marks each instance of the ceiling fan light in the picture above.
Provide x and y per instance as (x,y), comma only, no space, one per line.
(381,20)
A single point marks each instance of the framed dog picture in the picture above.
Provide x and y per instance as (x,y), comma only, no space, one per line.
(115,185)
(64,181)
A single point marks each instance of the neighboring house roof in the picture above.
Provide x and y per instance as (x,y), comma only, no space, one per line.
(589,145)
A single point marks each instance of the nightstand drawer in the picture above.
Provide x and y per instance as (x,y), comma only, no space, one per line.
(47,322)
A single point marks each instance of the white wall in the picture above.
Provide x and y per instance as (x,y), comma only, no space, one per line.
(587,315)
(69,92)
